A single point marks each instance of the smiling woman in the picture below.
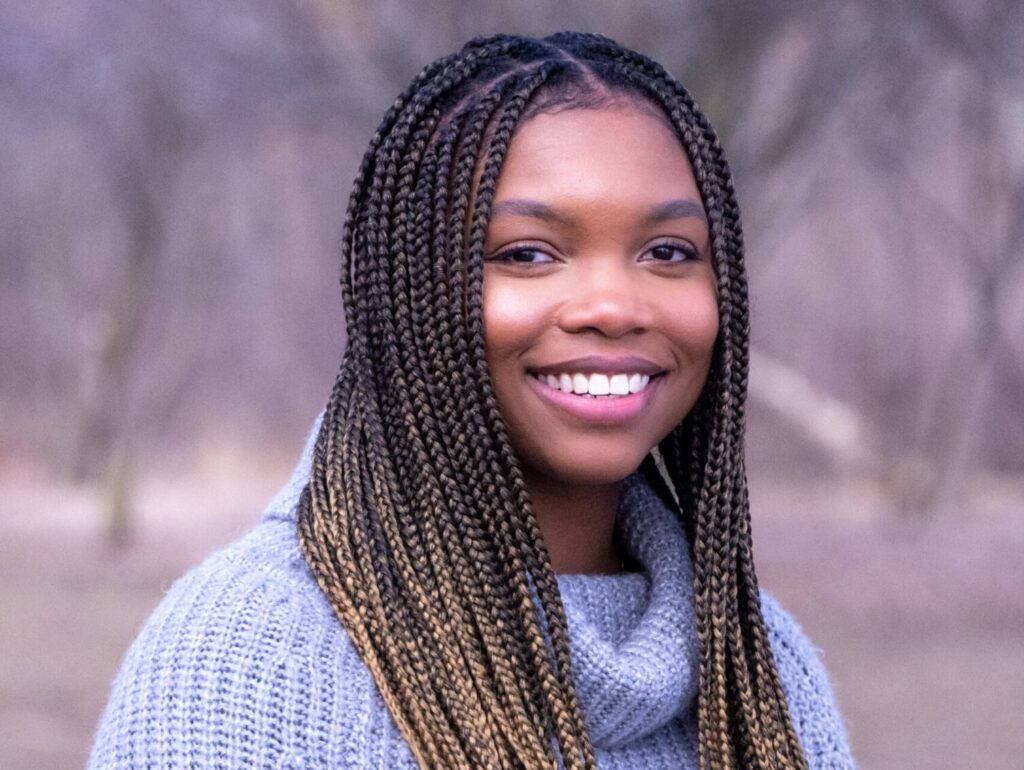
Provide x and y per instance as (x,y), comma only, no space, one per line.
(600,343)
(519,536)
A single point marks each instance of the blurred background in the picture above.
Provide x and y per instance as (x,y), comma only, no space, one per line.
(173,178)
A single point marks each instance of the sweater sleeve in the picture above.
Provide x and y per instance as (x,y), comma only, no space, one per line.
(812,705)
(219,675)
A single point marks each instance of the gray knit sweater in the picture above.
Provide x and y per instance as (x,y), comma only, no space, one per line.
(244,665)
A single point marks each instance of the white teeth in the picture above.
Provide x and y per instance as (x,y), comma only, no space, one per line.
(619,385)
(596,384)
(599,385)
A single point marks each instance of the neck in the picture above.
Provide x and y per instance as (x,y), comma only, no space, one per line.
(578,525)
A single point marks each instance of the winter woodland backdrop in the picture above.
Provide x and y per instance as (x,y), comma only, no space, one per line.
(174,177)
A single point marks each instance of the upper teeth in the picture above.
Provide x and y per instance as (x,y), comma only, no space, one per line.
(596,384)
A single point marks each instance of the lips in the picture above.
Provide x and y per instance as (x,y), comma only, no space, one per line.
(601,365)
(597,410)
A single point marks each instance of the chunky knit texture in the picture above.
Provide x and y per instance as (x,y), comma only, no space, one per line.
(243,664)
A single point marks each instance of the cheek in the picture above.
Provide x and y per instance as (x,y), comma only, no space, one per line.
(499,317)
(511,319)
(510,327)
(694,324)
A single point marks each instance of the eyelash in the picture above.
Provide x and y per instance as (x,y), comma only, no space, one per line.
(506,256)
(686,249)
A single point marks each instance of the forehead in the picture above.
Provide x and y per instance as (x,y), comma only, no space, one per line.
(586,153)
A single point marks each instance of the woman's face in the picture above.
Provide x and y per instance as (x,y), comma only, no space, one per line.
(597,280)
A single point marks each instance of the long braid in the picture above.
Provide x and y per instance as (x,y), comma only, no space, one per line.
(453,363)
(568,715)
(417,522)
(465,530)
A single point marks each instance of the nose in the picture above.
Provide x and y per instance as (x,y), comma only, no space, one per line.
(606,297)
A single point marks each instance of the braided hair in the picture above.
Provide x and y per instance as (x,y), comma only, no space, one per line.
(416,520)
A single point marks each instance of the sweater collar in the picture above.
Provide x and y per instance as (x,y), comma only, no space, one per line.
(282,507)
(632,636)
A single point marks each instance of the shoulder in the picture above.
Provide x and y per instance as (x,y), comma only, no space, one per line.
(252,590)
(242,658)
(812,704)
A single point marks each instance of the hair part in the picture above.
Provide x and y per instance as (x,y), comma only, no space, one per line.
(416,521)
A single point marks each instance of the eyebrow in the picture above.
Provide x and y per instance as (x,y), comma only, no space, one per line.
(518,207)
(682,208)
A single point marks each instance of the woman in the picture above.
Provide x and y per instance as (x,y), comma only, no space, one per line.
(520,534)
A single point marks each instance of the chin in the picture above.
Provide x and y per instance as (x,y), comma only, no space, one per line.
(596,470)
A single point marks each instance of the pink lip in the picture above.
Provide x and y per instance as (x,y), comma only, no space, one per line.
(605,411)
(601,364)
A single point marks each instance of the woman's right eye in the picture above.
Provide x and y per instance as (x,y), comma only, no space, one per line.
(521,255)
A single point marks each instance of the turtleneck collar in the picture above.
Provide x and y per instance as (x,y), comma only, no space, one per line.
(282,507)
(632,636)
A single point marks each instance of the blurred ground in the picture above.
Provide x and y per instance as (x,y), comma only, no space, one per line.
(921,623)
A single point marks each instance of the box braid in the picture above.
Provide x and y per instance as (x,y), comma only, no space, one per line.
(416,521)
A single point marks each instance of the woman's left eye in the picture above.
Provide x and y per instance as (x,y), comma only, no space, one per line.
(673,252)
